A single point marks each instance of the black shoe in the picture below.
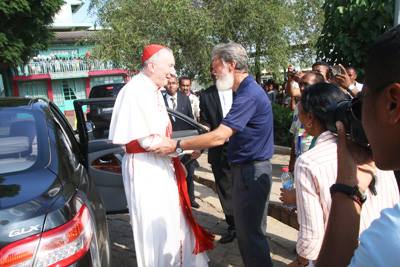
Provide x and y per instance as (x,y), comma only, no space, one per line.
(227,238)
(195,204)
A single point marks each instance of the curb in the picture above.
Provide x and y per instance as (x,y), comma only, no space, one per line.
(284,150)
(275,209)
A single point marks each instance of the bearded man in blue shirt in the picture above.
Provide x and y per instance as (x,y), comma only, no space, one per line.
(249,128)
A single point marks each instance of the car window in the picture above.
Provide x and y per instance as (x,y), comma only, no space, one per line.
(110,90)
(65,142)
(19,146)
(179,124)
(66,129)
(102,91)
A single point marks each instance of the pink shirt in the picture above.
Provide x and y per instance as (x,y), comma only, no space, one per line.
(315,171)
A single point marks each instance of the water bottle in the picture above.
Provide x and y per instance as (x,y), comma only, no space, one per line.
(287,179)
(288,184)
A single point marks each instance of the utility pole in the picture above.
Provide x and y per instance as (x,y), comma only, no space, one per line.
(397,12)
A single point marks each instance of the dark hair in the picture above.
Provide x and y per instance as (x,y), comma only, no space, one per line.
(383,62)
(317,98)
(184,78)
(351,68)
(320,63)
(269,81)
(318,76)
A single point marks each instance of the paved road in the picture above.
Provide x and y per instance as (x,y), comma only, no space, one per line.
(281,237)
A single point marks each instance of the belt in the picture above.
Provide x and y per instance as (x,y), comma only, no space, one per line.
(249,162)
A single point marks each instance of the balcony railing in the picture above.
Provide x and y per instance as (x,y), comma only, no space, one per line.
(59,66)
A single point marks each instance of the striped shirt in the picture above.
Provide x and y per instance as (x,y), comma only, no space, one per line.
(315,172)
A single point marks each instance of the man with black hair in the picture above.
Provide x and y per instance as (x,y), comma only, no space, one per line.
(180,102)
(355,85)
(270,90)
(323,68)
(379,245)
(185,84)
(346,80)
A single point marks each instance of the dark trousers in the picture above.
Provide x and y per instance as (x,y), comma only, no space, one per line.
(251,189)
(224,185)
(190,166)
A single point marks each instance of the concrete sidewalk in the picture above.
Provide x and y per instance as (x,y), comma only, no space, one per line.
(282,238)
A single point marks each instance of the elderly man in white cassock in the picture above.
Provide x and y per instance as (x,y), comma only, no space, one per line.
(164,229)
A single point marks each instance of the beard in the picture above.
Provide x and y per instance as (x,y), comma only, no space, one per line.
(225,82)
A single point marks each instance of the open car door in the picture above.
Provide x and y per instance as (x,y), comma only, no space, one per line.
(103,159)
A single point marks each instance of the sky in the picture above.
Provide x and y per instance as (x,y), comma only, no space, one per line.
(82,14)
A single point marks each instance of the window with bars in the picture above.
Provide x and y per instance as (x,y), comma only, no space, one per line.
(69,93)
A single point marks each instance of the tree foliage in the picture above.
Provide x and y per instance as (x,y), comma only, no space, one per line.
(309,18)
(24,28)
(259,25)
(350,28)
(131,24)
(266,28)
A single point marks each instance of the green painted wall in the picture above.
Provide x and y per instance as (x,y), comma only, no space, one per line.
(33,88)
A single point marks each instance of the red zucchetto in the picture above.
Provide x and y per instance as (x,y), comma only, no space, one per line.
(150,50)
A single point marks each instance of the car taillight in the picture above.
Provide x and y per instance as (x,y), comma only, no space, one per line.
(59,247)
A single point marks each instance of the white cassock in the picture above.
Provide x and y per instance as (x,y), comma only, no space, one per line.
(162,235)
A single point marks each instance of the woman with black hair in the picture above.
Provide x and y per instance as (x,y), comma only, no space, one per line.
(316,170)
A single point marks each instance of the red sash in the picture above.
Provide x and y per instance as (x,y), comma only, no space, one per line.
(204,240)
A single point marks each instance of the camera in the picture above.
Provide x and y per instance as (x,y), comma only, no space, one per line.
(336,70)
(292,72)
(349,113)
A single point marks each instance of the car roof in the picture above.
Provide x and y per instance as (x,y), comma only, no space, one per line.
(27,102)
(108,84)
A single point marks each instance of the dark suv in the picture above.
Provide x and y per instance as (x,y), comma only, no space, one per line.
(100,116)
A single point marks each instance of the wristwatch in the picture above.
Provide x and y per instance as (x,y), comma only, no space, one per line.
(178,148)
(353,192)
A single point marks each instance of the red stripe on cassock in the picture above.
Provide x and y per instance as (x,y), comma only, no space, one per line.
(204,240)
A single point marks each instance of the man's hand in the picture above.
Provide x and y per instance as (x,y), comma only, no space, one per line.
(288,197)
(294,264)
(167,146)
(342,79)
(299,262)
(355,165)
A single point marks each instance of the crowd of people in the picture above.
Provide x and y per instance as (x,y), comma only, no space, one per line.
(346,193)
(55,63)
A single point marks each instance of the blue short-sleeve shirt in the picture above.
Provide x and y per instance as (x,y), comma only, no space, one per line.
(251,117)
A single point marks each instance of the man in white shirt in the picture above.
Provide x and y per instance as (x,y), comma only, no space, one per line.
(352,72)
(185,84)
